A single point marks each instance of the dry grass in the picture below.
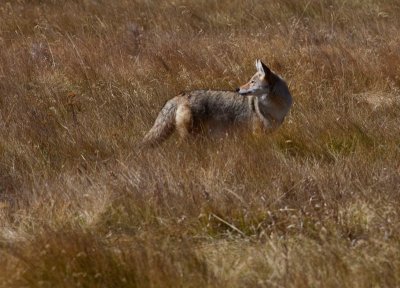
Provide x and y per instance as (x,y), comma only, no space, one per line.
(315,204)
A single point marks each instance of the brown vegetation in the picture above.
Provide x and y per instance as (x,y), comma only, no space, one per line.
(315,204)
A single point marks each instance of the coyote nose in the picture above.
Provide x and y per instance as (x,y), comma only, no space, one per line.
(237,89)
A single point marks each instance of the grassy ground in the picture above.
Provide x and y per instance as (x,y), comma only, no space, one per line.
(315,204)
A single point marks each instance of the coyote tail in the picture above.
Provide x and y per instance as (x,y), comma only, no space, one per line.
(163,126)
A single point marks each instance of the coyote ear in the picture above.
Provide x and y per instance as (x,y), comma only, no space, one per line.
(262,68)
(266,70)
(259,66)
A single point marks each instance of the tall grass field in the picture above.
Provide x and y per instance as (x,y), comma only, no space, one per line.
(314,204)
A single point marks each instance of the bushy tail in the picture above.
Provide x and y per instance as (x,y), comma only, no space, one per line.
(163,126)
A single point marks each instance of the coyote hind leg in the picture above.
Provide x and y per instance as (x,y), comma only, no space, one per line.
(183,119)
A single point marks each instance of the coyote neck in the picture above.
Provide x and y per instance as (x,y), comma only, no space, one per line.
(263,107)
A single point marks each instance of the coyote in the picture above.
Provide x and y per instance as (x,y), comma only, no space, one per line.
(260,104)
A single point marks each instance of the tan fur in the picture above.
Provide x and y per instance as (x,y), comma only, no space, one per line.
(183,118)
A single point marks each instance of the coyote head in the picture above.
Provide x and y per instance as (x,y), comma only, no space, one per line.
(260,83)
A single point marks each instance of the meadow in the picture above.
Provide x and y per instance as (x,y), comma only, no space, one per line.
(314,204)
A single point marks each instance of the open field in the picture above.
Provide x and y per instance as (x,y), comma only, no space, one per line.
(315,204)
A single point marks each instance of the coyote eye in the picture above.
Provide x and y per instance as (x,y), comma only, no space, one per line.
(252,81)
